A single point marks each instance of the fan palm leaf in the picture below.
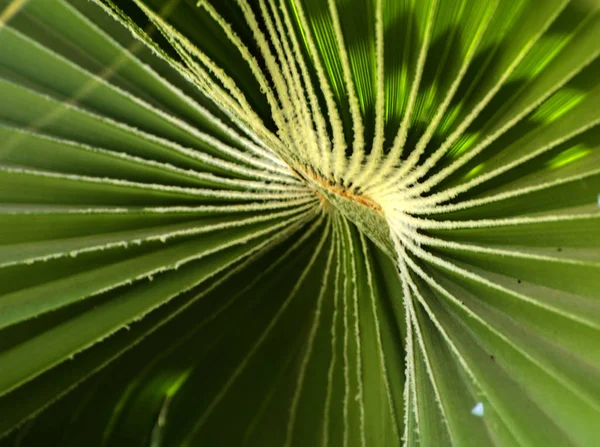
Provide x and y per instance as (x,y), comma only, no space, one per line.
(299,222)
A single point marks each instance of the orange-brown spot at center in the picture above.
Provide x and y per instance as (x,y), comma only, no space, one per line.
(306,172)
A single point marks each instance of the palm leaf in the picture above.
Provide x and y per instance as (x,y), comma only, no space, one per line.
(299,222)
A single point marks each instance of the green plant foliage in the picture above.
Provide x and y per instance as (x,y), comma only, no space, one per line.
(299,223)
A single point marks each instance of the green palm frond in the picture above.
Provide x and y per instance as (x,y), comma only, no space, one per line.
(299,223)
